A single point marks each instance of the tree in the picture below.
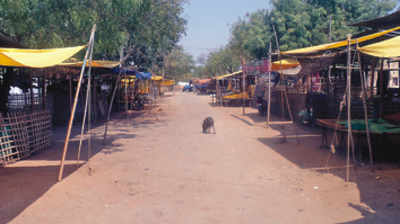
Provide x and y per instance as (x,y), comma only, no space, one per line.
(219,62)
(179,65)
(302,23)
(148,29)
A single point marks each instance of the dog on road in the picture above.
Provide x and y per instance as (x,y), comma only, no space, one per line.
(208,123)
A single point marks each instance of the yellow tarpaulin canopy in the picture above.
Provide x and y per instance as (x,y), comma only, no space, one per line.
(384,49)
(228,75)
(34,58)
(236,96)
(168,82)
(284,64)
(95,64)
(343,43)
(156,78)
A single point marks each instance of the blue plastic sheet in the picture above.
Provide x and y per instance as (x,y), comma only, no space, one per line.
(139,75)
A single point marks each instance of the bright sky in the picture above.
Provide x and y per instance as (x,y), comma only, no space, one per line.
(209,22)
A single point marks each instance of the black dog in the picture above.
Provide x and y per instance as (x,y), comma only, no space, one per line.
(208,123)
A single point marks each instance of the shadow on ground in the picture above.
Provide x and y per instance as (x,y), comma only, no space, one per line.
(26,181)
(379,190)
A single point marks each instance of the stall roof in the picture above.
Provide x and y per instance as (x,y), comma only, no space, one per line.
(383,22)
(385,49)
(156,77)
(95,64)
(201,81)
(34,58)
(284,64)
(329,46)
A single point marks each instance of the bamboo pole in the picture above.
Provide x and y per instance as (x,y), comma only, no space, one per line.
(86,111)
(243,84)
(110,107)
(349,128)
(71,120)
(269,84)
(381,91)
(90,107)
(117,82)
(364,99)
(83,124)
(126,94)
(279,58)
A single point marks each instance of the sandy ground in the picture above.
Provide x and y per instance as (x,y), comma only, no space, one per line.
(158,167)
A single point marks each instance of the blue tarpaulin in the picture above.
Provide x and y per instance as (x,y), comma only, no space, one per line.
(143,75)
(126,71)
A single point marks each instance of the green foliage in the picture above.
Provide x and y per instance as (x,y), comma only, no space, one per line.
(302,23)
(178,65)
(298,23)
(149,29)
(219,62)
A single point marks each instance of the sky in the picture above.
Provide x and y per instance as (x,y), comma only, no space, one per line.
(209,22)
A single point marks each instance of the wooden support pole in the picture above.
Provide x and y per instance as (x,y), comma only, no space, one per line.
(86,112)
(71,120)
(243,85)
(349,128)
(126,94)
(364,100)
(117,83)
(381,78)
(269,84)
(83,122)
(89,99)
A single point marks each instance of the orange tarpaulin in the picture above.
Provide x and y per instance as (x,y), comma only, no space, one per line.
(202,81)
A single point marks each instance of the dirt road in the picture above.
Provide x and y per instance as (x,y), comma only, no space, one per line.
(160,168)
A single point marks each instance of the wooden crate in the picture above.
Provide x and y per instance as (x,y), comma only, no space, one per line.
(23,133)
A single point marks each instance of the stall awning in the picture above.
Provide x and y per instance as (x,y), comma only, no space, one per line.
(228,75)
(167,82)
(95,64)
(33,58)
(385,49)
(156,78)
(324,47)
(284,64)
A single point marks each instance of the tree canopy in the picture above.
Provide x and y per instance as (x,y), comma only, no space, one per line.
(297,23)
(302,23)
(178,65)
(148,29)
